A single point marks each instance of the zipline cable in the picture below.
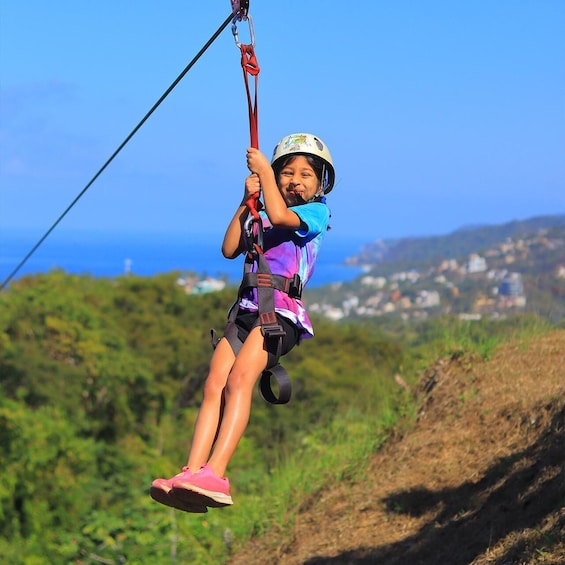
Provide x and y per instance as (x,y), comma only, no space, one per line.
(122,145)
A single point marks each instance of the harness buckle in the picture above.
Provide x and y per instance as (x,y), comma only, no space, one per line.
(295,288)
(272,331)
(270,326)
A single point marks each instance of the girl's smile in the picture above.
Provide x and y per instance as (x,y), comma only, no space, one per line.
(298,182)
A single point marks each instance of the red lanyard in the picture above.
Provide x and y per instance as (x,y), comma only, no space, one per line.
(250,66)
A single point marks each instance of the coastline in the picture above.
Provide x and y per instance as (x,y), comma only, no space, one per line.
(113,254)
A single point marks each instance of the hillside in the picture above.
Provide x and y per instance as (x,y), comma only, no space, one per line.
(491,272)
(479,479)
(462,242)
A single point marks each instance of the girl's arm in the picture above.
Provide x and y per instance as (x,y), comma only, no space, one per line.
(233,244)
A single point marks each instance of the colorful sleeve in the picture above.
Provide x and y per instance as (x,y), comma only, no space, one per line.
(315,216)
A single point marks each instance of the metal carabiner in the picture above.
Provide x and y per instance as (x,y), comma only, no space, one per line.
(251,31)
(250,238)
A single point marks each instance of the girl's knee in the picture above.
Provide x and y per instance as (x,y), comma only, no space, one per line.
(214,385)
(239,381)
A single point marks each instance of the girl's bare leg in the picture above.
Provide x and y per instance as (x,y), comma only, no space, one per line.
(248,366)
(210,414)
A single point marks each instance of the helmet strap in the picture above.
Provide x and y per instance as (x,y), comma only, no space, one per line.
(324,179)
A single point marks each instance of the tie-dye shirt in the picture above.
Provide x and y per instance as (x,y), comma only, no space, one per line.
(292,251)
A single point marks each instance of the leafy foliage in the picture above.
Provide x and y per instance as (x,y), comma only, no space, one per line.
(100,385)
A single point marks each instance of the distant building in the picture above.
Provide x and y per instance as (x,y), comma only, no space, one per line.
(511,285)
(447,265)
(411,276)
(428,298)
(193,285)
(377,282)
(405,303)
(476,264)
(333,313)
(350,303)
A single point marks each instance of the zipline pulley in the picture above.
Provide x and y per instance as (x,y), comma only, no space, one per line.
(239,9)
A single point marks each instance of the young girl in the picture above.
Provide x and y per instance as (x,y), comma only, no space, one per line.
(295,220)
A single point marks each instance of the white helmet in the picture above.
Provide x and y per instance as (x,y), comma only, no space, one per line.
(307,144)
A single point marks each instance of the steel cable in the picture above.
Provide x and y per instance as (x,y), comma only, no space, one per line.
(121,146)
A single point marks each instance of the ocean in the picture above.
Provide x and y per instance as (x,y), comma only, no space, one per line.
(108,254)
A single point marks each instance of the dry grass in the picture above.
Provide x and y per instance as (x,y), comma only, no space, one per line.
(479,480)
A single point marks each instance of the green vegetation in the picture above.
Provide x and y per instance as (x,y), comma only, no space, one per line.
(101,382)
(100,385)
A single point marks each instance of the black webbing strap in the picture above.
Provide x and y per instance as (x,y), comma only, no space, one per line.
(282,379)
(230,333)
(272,331)
(291,286)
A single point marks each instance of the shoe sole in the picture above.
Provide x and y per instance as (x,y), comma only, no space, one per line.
(194,494)
(193,505)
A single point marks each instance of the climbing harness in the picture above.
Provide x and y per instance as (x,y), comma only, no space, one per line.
(262,279)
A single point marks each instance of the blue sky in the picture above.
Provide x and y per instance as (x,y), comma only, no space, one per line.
(438,114)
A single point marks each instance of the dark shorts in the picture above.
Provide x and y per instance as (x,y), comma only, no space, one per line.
(246,321)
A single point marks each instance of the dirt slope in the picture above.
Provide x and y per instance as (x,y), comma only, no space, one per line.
(480,479)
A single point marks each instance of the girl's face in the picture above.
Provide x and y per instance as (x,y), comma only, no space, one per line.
(298,182)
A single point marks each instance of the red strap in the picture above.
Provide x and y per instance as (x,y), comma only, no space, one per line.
(250,66)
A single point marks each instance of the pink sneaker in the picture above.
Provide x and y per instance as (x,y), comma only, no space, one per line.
(213,490)
(160,491)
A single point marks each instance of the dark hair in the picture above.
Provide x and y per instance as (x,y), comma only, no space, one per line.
(316,163)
